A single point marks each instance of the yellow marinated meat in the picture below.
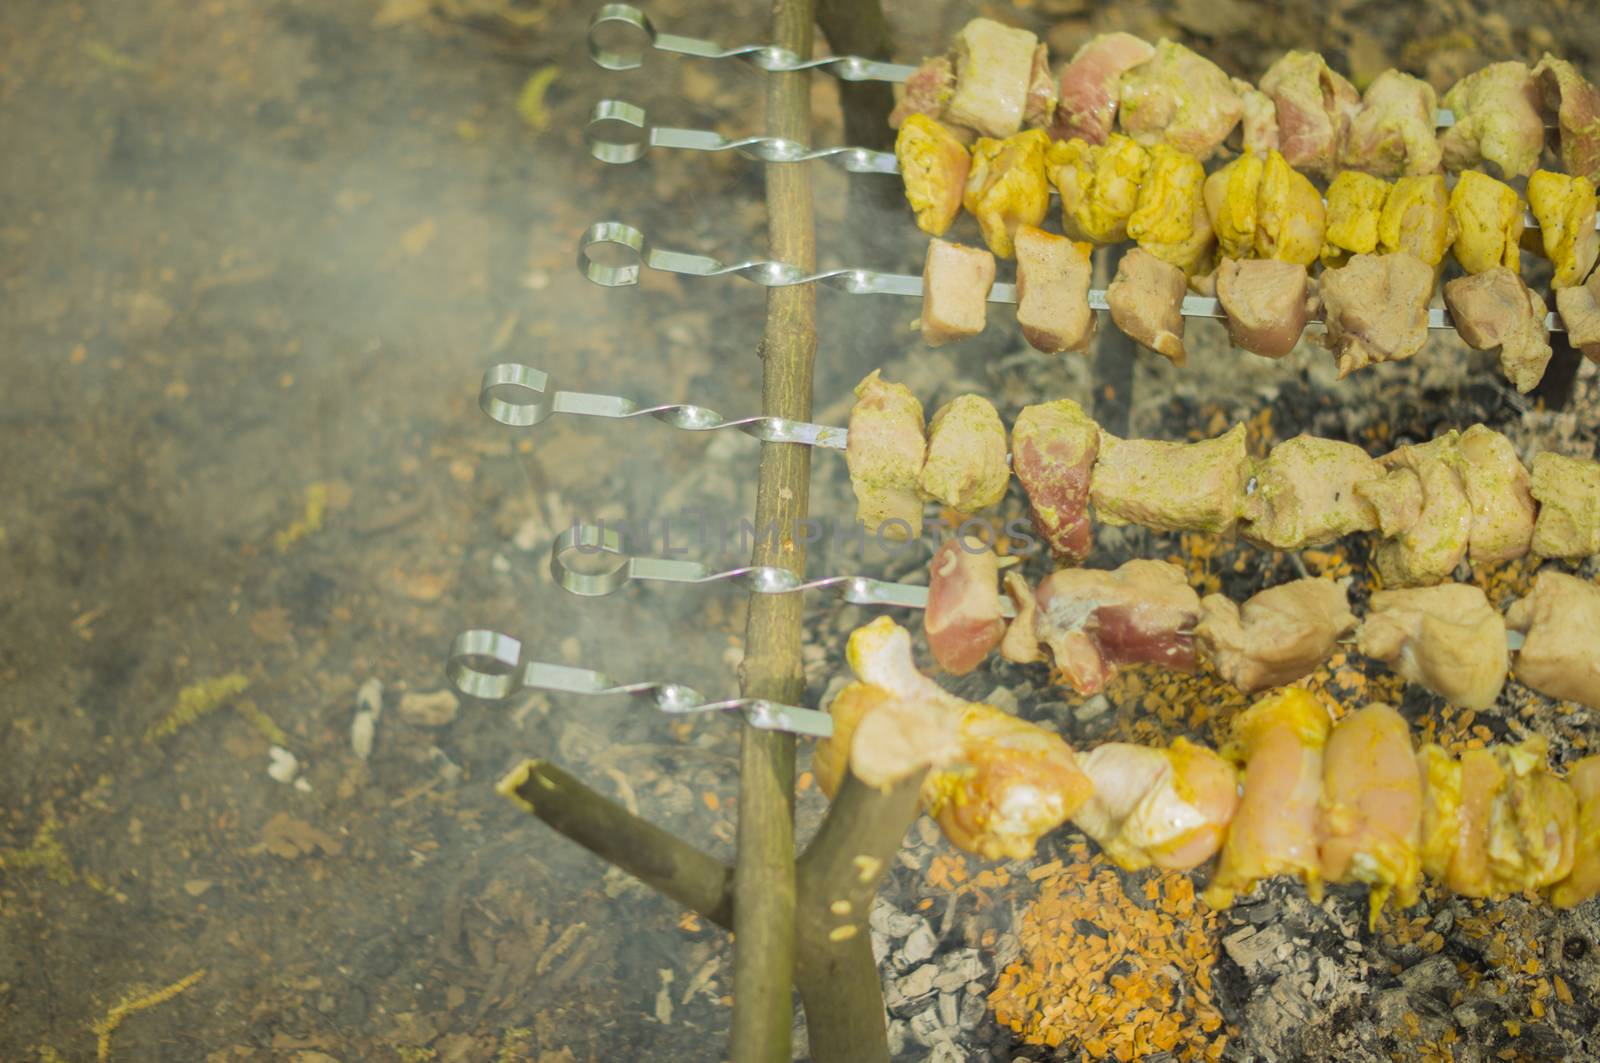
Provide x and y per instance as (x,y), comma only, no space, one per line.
(1417,218)
(1564,207)
(1171,221)
(1007,187)
(1098,184)
(1355,204)
(1488,218)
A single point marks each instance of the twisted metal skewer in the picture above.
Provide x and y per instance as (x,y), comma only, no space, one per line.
(609,143)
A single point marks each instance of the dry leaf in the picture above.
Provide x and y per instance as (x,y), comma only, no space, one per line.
(421,586)
(272,625)
(292,838)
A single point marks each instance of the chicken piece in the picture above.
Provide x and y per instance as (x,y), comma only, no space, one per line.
(1497,120)
(1393,132)
(1266,301)
(1146,301)
(1497,489)
(1278,635)
(1355,203)
(1290,218)
(1279,740)
(933,165)
(1580,314)
(1428,549)
(1575,102)
(1568,493)
(1091,85)
(1564,207)
(1314,105)
(1039,110)
(927,91)
(1099,186)
(1532,822)
(1488,223)
(1053,450)
(1259,127)
(962,620)
(1560,622)
(1584,880)
(1396,500)
(1440,776)
(966,466)
(1053,277)
(1306,494)
(1480,779)
(1375,309)
(1495,309)
(1171,486)
(1231,195)
(1417,219)
(1170,221)
(1093,621)
(1021,641)
(1180,99)
(1448,639)
(955,291)
(1006,187)
(885,452)
(1371,810)
(994,68)
(1167,807)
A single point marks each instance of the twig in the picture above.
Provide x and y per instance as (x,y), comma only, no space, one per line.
(105,1027)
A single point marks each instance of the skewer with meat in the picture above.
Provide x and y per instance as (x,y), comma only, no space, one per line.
(1393,132)
(1164,807)
(1146,302)
(1448,639)
(1497,120)
(1307,494)
(1494,309)
(1264,208)
(1580,313)
(1006,187)
(1575,102)
(1180,99)
(1267,302)
(1489,223)
(1370,815)
(955,291)
(1375,309)
(1355,203)
(962,620)
(1054,446)
(1497,486)
(1564,207)
(1053,278)
(1560,622)
(1091,86)
(1417,219)
(1170,220)
(1314,106)
(1568,493)
(885,455)
(1277,636)
(1171,486)
(1098,184)
(966,464)
(934,166)
(1423,512)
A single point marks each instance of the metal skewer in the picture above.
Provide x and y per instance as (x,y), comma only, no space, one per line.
(489,665)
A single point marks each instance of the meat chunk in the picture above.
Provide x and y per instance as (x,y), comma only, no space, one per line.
(1560,622)
(1448,639)
(1375,309)
(1146,301)
(1170,219)
(1580,313)
(1427,549)
(1266,303)
(1575,102)
(1171,486)
(1053,277)
(955,291)
(1167,807)
(1497,489)
(994,67)
(1277,636)
(1039,111)
(1279,740)
(1497,120)
(1568,493)
(1416,219)
(1091,84)
(1021,641)
(1180,99)
(1093,620)
(1231,195)
(962,620)
(1306,494)
(1393,132)
(1489,223)
(1259,127)
(1290,218)
(927,91)
(1495,309)
(1583,881)
(1314,107)
(966,466)
(933,166)
(1053,450)
(884,453)
(1371,810)
(1355,203)
(1099,186)
(1006,187)
(1564,207)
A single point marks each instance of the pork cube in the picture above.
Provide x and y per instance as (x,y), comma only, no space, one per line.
(1584,881)
(1416,218)
(1231,196)
(1568,493)
(1093,620)
(1355,203)
(927,91)
(966,466)
(1007,187)
(955,291)
(1560,622)
(1426,549)
(1171,486)
(1375,309)
(1099,186)
(1497,120)
(1146,301)
(1167,807)
(1371,808)
(1170,220)
(1393,132)
(1180,99)
(1306,494)
(1053,277)
(1495,309)
(933,166)
(1040,109)
(1489,223)
(1266,303)
(1290,217)
(1259,127)
(1314,106)
(1498,490)
(1580,313)
(962,620)
(994,67)
(1276,636)
(1448,639)
(1564,207)
(1575,102)
(1053,450)
(884,454)
(1091,83)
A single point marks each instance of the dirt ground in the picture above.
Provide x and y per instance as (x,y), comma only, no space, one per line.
(254,257)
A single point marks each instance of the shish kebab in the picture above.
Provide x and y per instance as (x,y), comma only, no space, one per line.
(1292,792)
